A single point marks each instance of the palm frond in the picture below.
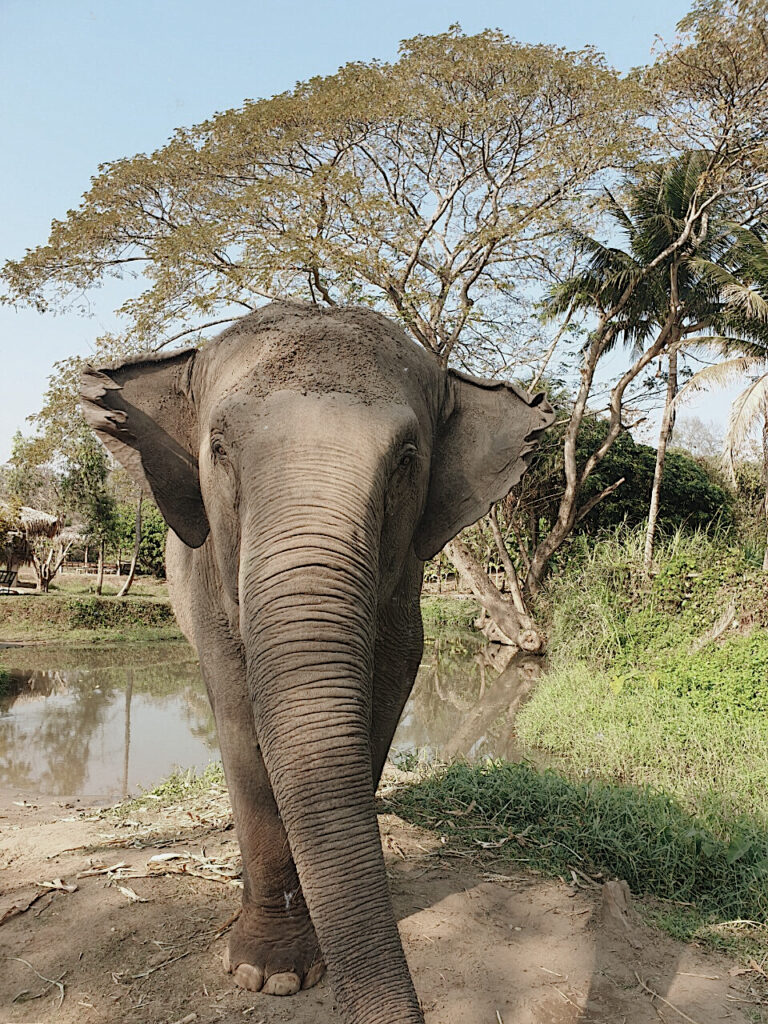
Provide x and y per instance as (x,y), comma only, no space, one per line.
(748,409)
(719,375)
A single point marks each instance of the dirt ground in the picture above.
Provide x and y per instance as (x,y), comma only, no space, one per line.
(143,942)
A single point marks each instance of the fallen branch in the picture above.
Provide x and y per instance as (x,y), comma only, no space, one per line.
(158,967)
(51,981)
(655,995)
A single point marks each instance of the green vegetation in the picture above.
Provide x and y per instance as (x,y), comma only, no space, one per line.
(652,717)
(180,786)
(80,584)
(551,823)
(87,619)
(443,614)
(692,496)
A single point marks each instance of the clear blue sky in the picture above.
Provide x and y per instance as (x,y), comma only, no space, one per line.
(86,82)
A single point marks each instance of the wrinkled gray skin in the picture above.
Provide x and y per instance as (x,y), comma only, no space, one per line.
(307,461)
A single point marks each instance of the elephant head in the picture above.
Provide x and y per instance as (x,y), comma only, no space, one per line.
(317,457)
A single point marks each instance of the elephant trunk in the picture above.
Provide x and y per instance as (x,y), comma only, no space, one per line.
(308,616)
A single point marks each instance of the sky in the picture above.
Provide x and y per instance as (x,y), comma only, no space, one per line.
(82,83)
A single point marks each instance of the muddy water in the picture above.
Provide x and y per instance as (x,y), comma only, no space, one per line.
(96,725)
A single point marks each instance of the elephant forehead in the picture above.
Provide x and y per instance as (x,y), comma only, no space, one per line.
(320,357)
(310,418)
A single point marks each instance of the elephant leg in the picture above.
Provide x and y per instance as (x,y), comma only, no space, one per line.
(272,946)
(399,647)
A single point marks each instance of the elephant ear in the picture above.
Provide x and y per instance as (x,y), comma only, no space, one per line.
(487,434)
(144,413)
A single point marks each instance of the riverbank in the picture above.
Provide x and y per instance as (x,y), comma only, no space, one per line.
(87,619)
(153,885)
(71,613)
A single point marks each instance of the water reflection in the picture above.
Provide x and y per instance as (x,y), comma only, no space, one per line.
(101,723)
(464,704)
(98,724)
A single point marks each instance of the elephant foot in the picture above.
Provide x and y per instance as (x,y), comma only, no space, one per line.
(275,955)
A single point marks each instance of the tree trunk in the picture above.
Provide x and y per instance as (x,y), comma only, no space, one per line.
(137,544)
(100,570)
(515,626)
(665,436)
(43,580)
(576,474)
(509,565)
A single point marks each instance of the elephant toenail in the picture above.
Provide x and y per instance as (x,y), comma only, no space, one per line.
(286,984)
(249,977)
(313,975)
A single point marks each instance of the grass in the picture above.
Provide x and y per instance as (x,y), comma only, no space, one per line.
(180,786)
(551,823)
(651,683)
(712,763)
(80,583)
(653,718)
(57,617)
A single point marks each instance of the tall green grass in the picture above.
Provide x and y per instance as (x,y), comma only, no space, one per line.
(660,682)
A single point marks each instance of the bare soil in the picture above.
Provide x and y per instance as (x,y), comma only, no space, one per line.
(485,947)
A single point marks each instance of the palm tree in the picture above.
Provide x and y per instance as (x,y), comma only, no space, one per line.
(744,286)
(685,299)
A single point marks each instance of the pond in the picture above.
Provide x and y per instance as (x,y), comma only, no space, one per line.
(99,724)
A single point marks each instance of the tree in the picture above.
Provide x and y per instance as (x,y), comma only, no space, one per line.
(85,488)
(746,291)
(708,94)
(687,300)
(428,188)
(434,188)
(702,439)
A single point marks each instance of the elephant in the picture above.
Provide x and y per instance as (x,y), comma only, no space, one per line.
(308,461)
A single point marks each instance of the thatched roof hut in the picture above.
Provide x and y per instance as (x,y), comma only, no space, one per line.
(21,528)
(38,524)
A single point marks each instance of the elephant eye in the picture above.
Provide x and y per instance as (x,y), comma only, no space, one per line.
(408,457)
(218,450)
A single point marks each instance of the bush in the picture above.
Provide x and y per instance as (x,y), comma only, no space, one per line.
(99,612)
(94,613)
(692,493)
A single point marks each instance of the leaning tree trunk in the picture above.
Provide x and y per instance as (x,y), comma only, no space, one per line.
(517,627)
(45,570)
(100,571)
(137,544)
(665,436)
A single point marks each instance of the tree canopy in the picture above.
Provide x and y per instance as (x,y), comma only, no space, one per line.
(429,187)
